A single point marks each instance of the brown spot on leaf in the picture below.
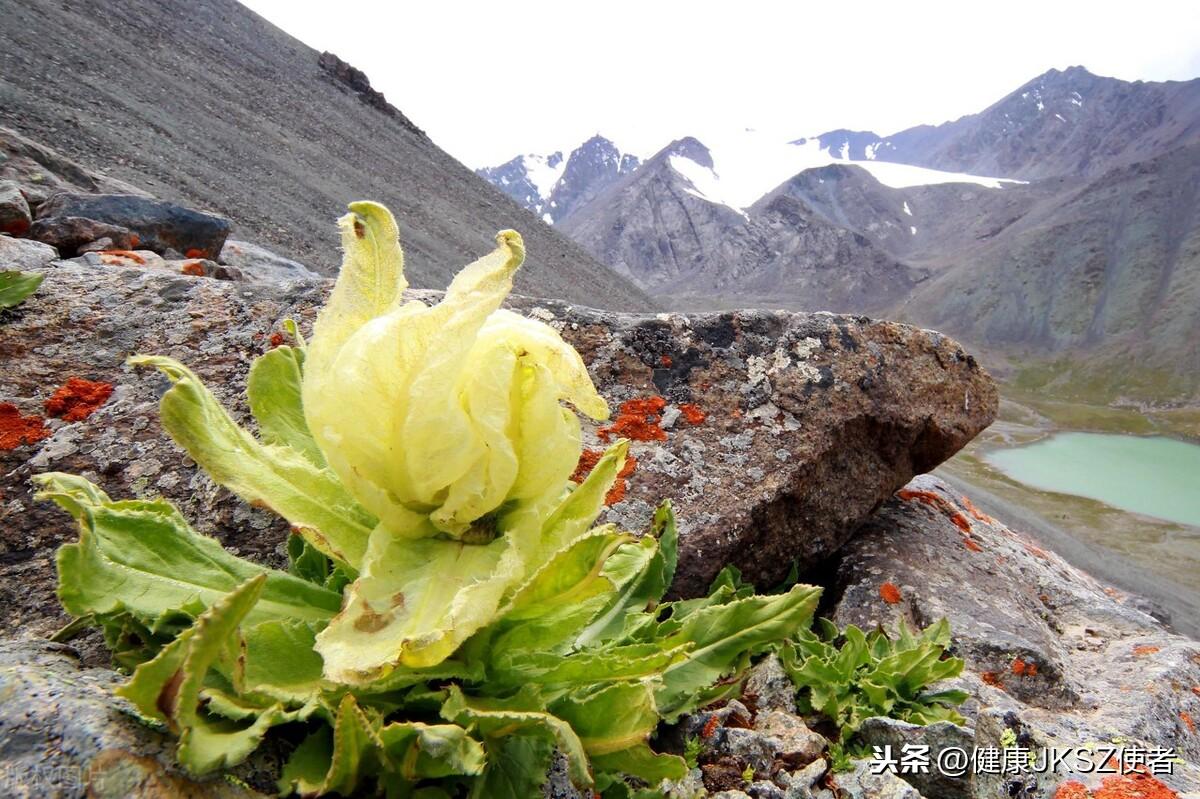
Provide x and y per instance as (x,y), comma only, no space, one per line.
(370,621)
(168,697)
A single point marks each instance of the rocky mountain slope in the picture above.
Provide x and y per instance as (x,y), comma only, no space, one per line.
(554,186)
(1068,122)
(1055,230)
(208,104)
(657,227)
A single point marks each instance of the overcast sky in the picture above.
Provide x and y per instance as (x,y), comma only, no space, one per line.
(490,80)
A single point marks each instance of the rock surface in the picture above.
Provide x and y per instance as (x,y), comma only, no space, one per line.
(74,234)
(159,226)
(63,734)
(1052,655)
(260,265)
(14,209)
(788,429)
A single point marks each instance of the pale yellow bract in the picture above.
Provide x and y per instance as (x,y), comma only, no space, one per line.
(446,422)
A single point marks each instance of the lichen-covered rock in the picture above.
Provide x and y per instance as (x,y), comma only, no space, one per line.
(861,783)
(938,738)
(793,427)
(63,734)
(1052,655)
(158,225)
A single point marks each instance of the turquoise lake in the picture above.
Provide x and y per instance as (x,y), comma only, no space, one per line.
(1152,475)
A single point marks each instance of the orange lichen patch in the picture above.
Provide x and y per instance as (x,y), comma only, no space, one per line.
(76,399)
(1135,785)
(637,420)
(1072,789)
(976,512)
(665,361)
(710,727)
(1024,668)
(193,267)
(971,544)
(1142,651)
(1036,551)
(118,257)
(1186,718)
(1196,690)
(992,678)
(889,593)
(16,429)
(135,240)
(587,461)
(277,339)
(692,413)
(617,492)
(938,503)
(194,252)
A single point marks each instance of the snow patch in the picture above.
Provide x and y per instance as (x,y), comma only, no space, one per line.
(912,231)
(541,174)
(705,183)
(547,219)
(907,210)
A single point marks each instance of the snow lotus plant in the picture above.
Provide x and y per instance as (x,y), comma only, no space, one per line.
(450,616)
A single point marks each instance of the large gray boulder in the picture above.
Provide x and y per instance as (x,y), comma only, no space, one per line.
(157,225)
(776,434)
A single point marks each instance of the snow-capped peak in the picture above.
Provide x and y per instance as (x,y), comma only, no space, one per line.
(544,171)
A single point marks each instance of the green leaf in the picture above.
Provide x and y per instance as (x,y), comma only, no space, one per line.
(278,477)
(610,719)
(642,762)
(647,582)
(280,662)
(273,391)
(496,720)
(423,751)
(169,687)
(141,557)
(517,765)
(722,635)
(16,286)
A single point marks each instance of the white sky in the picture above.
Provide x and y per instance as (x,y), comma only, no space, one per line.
(488,81)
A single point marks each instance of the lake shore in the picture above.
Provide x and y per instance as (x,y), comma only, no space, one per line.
(1143,555)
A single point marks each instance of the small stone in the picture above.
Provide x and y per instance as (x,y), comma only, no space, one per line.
(15,216)
(796,742)
(770,687)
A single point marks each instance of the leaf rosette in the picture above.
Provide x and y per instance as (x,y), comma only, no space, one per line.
(451,615)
